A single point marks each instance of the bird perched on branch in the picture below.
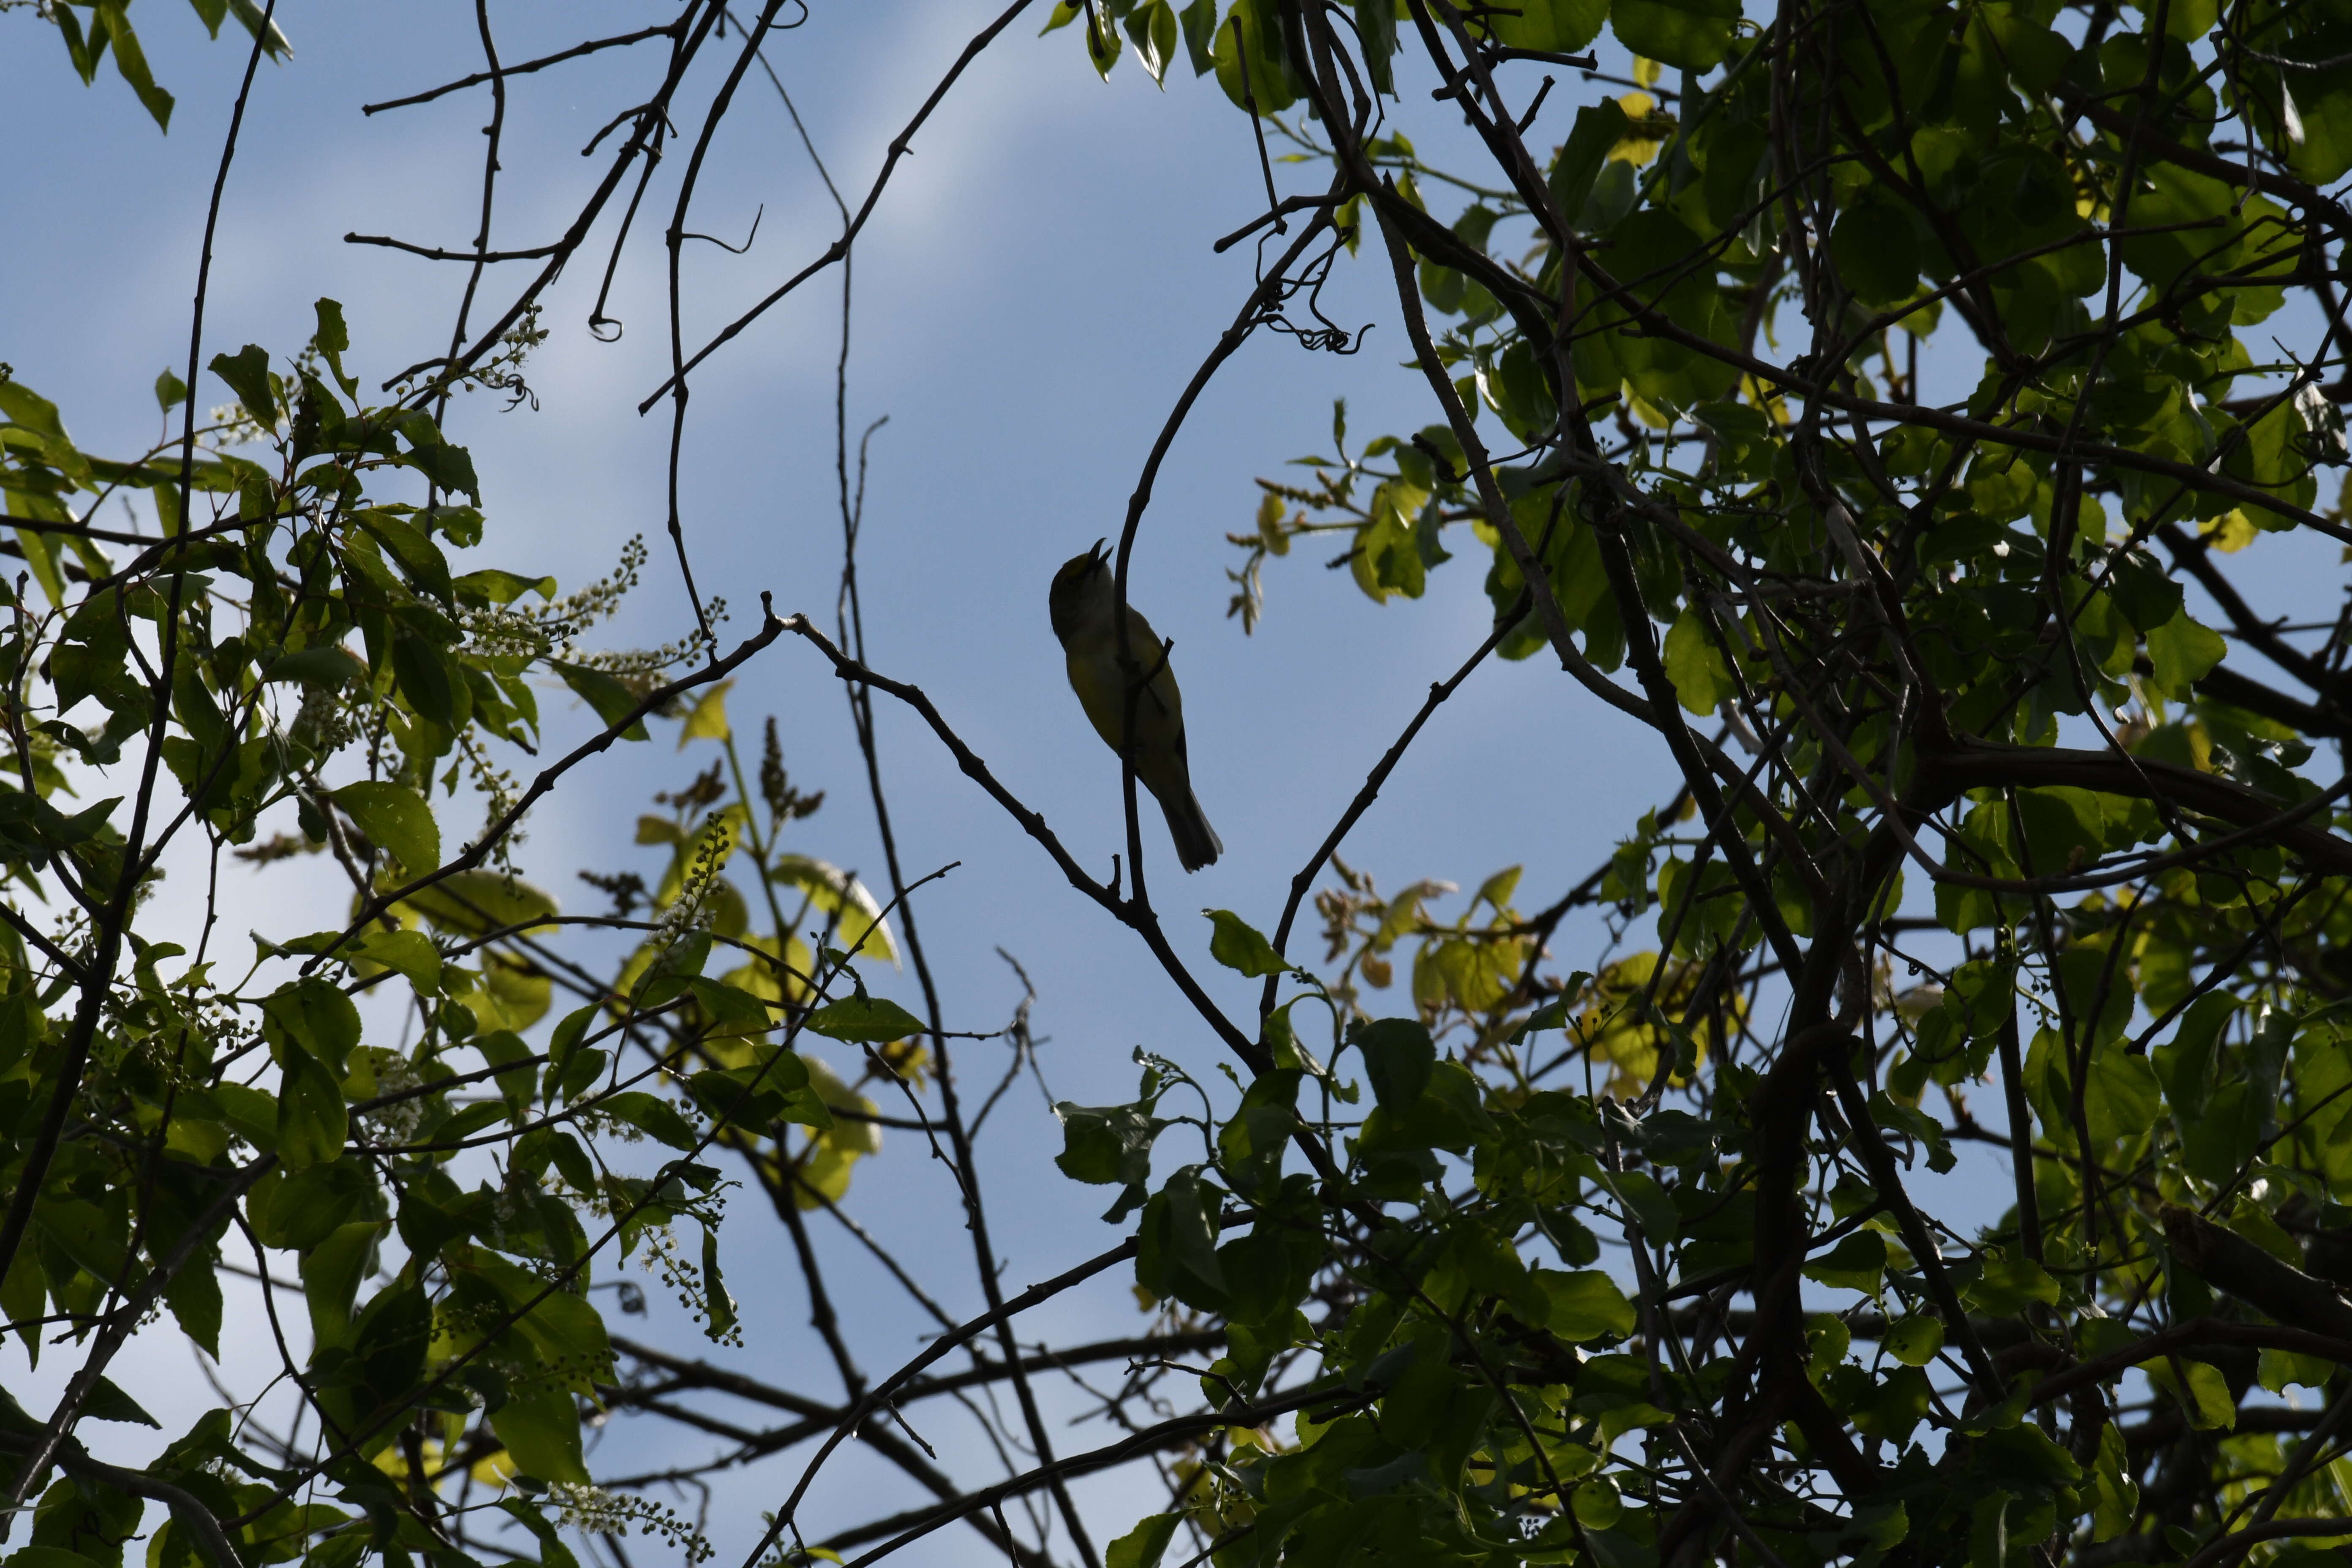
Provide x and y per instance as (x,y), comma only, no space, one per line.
(1085,605)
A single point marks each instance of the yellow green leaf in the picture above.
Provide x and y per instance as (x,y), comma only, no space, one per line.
(708,720)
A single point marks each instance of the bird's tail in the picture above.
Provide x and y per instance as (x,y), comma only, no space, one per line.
(1197,843)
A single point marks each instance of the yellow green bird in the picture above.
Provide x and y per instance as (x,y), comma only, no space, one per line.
(1085,610)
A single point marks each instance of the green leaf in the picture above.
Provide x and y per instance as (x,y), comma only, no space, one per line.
(2183,653)
(1696,665)
(1190,1204)
(571,1066)
(1597,127)
(2254,1222)
(1199,22)
(248,374)
(1142,1546)
(29,409)
(866,1020)
(1857,1263)
(1914,1341)
(38,1556)
(2184,1064)
(449,466)
(2142,590)
(1614,1424)
(93,1238)
(312,1124)
(1103,48)
(552,1553)
(1692,34)
(1898,1116)
(506,995)
(1585,1305)
(2115,1496)
(427,1226)
(170,391)
(613,702)
(250,1114)
(23,1297)
(1988,1531)
(518,1083)
(82,53)
(2276,1369)
(107,1401)
(300,1211)
(651,1115)
(720,1305)
(708,721)
(775,1089)
(1375,26)
(1883,1525)
(1398,1057)
(1647,1200)
(1597,1505)
(1152,27)
(412,549)
(333,341)
(2220,1140)
(1877,251)
(41,554)
(194,1297)
(330,663)
(1387,558)
(862,932)
(396,818)
(1252,30)
(1236,944)
(1106,1144)
(131,61)
(331,1272)
(542,1433)
(429,683)
(2122,1099)
(2007,1284)
(735,1011)
(315,1017)
(492,586)
(476,903)
(1558,25)
(409,953)
(2201,1389)
(273,37)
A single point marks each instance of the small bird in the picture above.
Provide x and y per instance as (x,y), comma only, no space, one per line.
(1084,605)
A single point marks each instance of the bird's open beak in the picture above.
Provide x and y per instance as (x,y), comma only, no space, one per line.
(1100,552)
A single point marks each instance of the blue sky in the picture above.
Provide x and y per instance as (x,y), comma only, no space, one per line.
(1034,289)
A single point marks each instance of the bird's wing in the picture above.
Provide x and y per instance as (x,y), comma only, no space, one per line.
(1145,648)
(1095,675)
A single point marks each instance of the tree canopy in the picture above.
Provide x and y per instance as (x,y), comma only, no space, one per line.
(1893,416)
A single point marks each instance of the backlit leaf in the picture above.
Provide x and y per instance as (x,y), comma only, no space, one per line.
(866,1020)
(1236,944)
(396,818)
